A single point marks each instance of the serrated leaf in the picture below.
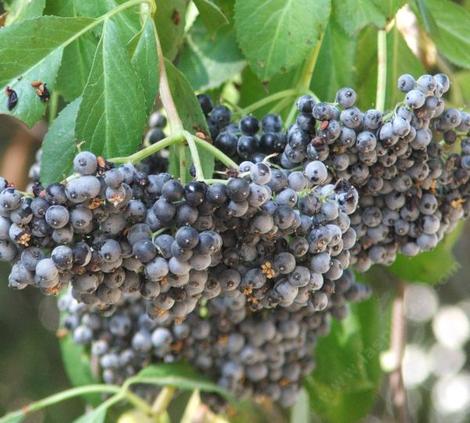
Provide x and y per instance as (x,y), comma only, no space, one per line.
(30,108)
(211,15)
(354,15)
(344,384)
(430,267)
(32,50)
(20,10)
(210,60)
(112,115)
(59,145)
(190,113)
(335,66)
(452,37)
(179,375)
(170,20)
(276,35)
(145,62)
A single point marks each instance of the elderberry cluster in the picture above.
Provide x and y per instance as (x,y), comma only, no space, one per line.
(264,354)
(240,275)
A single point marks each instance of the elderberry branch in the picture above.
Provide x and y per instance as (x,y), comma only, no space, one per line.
(219,155)
(150,150)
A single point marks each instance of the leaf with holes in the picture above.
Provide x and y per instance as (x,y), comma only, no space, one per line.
(210,60)
(170,21)
(59,145)
(276,35)
(32,50)
(111,117)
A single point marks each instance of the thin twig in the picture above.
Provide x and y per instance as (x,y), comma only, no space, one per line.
(397,348)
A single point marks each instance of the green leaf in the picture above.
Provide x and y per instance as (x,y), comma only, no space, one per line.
(59,145)
(210,60)
(344,385)
(127,20)
(76,66)
(179,375)
(211,15)
(112,115)
(400,60)
(460,93)
(452,37)
(32,50)
(20,10)
(78,56)
(190,112)
(276,35)
(423,12)
(354,15)
(252,89)
(170,21)
(145,62)
(335,66)
(430,267)
(77,367)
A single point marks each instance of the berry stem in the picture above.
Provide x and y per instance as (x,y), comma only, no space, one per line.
(148,151)
(219,155)
(305,79)
(194,155)
(216,181)
(163,400)
(381,70)
(397,347)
